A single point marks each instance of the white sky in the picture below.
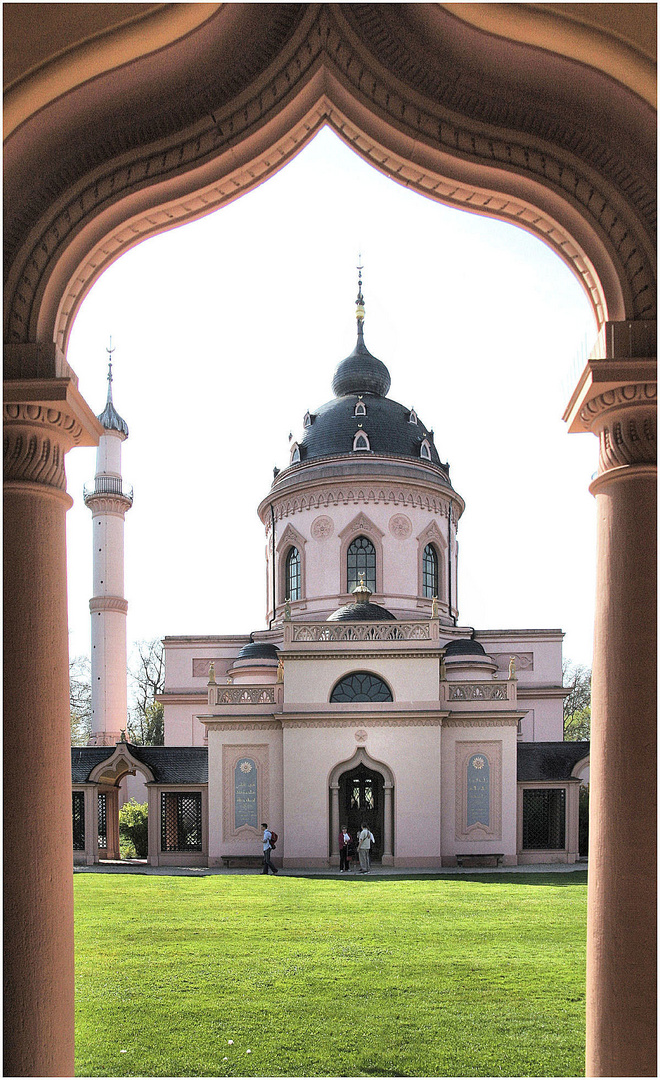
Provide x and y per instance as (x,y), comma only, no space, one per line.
(228,329)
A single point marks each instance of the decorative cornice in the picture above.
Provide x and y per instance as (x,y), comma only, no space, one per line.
(213,724)
(366,492)
(108,603)
(349,722)
(468,721)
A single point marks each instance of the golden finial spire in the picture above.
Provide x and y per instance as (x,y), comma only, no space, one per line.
(110,350)
(359,303)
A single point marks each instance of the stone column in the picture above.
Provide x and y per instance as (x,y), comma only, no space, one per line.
(43,419)
(616,400)
(388,856)
(334,824)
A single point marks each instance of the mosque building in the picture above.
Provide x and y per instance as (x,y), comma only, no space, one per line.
(364,699)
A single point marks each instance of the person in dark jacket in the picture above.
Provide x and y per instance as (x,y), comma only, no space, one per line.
(267,848)
(344,841)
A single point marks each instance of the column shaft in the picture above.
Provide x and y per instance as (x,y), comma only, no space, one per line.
(38,912)
(621,951)
(334,823)
(387,838)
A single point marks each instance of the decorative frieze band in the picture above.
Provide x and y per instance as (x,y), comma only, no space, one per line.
(349,722)
(474,691)
(108,603)
(524,661)
(115,505)
(468,721)
(245,695)
(215,723)
(338,495)
(388,631)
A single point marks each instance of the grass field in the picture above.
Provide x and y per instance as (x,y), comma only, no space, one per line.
(254,976)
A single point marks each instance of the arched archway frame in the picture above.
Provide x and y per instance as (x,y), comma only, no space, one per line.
(362,757)
(542,163)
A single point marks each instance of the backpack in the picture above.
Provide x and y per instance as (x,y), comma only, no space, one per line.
(273,840)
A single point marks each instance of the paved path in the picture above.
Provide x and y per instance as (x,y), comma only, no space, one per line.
(134,866)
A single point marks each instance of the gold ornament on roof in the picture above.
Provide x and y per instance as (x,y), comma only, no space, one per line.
(212,672)
(287,609)
(434,608)
(512,667)
(280,670)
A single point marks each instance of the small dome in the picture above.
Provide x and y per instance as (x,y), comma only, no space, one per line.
(464,647)
(361,612)
(361,373)
(258,650)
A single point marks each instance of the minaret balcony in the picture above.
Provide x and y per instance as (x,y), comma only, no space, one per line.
(112,486)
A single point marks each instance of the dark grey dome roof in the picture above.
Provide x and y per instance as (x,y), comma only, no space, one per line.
(258,650)
(387,425)
(361,373)
(465,647)
(111,419)
(361,612)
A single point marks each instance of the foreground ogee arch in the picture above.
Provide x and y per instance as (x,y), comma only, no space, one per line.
(138,121)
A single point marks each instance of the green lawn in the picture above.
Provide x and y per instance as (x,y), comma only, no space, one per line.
(241,976)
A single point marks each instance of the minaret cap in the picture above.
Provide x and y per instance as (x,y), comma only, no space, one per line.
(360,373)
(110,418)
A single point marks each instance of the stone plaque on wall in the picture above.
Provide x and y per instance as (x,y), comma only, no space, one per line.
(478,774)
(478,791)
(245,794)
(245,789)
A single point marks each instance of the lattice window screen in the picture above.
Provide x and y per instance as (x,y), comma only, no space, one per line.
(544,818)
(103,821)
(78,820)
(181,821)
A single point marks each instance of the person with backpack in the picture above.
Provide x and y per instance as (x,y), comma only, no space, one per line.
(269,841)
(344,840)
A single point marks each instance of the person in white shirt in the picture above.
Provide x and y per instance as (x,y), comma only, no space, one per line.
(267,848)
(364,844)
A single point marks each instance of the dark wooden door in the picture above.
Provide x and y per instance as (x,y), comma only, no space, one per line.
(361,799)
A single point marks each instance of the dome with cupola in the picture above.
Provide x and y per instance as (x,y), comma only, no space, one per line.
(361,419)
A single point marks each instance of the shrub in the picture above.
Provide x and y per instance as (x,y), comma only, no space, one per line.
(133,830)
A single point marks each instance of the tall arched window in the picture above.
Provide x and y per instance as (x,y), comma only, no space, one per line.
(361,686)
(361,561)
(292,587)
(430,571)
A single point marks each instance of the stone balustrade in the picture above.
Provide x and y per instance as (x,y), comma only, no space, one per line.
(244,695)
(418,630)
(480,691)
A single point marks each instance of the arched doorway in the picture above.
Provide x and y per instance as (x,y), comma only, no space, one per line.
(362,789)
(362,800)
(523,133)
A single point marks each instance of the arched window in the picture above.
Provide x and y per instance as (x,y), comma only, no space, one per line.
(292,575)
(295,453)
(430,571)
(361,441)
(360,409)
(412,419)
(361,686)
(307,419)
(361,561)
(425,450)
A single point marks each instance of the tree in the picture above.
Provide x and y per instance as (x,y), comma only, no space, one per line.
(147,675)
(80,699)
(133,830)
(577,705)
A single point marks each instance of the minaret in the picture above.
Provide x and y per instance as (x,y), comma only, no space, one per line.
(109,500)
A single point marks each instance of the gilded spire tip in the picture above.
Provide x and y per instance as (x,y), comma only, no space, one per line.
(359,303)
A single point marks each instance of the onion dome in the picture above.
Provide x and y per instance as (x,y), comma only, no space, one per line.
(361,373)
(258,653)
(361,419)
(110,418)
(361,610)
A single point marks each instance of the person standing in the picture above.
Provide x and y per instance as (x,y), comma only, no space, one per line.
(372,842)
(344,841)
(267,850)
(364,845)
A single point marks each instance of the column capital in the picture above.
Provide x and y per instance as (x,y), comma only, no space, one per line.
(43,419)
(617,401)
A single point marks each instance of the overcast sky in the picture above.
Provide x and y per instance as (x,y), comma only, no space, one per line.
(226,330)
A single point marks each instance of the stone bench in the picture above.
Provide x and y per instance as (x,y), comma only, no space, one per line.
(477,858)
(243,862)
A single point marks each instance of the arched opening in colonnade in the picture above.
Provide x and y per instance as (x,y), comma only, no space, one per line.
(580,185)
